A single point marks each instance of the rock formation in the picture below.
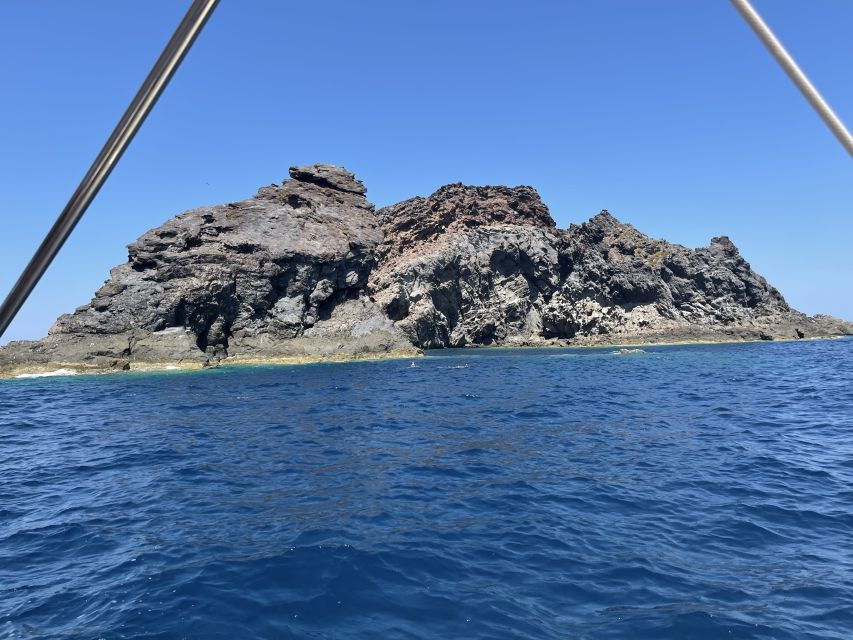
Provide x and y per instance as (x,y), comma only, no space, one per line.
(309,270)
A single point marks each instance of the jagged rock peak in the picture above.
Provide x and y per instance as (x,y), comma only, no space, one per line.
(603,221)
(604,217)
(724,245)
(605,225)
(328,175)
(484,205)
(458,207)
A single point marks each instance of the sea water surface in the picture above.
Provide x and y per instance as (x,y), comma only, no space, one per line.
(685,492)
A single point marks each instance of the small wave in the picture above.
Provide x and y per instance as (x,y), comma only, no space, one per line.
(46,374)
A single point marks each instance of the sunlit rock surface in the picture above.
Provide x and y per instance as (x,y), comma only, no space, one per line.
(308,270)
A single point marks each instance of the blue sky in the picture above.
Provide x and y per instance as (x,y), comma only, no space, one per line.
(668,113)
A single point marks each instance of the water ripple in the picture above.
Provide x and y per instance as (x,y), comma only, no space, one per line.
(689,492)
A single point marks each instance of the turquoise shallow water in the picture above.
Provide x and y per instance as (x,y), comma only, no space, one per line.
(688,492)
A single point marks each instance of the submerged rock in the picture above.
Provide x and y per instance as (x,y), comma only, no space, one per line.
(309,270)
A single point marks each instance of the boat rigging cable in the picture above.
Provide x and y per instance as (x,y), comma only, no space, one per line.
(170,60)
(141,105)
(795,73)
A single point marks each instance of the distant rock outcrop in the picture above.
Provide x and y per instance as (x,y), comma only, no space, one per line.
(308,270)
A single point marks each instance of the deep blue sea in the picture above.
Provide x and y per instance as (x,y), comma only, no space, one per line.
(686,492)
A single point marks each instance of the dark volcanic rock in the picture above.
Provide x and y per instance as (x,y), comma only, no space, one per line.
(486,265)
(467,265)
(309,269)
(327,175)
(413,225)
(255,278)
(620,282)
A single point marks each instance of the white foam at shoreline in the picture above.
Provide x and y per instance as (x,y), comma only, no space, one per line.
(58,372)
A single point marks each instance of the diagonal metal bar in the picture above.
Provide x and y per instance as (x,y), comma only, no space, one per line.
(133,117)
(794,72)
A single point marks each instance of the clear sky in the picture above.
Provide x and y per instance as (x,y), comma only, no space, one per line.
(669,113)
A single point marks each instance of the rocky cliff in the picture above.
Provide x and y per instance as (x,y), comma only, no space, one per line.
(310,270)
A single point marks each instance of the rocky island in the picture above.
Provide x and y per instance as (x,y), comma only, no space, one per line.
(309,270)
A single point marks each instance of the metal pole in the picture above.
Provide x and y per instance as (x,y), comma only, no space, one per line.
(795,73)
(140,106)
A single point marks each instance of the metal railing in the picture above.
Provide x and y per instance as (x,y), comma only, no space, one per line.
(795,73)
(133,117)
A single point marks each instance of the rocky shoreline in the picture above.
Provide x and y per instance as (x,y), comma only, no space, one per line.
(60,369)
(309,271)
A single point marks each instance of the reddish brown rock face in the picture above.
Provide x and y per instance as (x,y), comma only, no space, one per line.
(308,267)
(413,226)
